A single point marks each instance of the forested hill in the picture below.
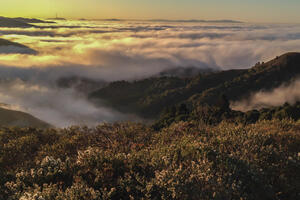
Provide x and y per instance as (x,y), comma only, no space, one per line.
(149,97)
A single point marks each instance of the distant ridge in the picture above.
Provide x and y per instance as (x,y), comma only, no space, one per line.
(195,21)
(57,18)
(32,20)
(170,20)
(20,22)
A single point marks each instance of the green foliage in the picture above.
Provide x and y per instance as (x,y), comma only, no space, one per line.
(149,97)
(187,160)
(138,96)
(221,112)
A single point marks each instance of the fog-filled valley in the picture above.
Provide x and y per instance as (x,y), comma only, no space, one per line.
(35,56)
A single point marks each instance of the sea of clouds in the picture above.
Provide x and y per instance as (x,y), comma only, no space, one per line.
(123,50)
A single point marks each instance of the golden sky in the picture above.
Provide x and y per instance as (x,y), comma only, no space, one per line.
(246,10)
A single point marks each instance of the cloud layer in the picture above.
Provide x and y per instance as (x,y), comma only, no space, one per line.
(60,107)
(110,51)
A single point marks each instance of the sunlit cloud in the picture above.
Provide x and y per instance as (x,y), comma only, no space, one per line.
(110,51)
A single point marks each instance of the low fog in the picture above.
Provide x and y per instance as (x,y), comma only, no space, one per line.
(110,51)
(59,107)
(287,93)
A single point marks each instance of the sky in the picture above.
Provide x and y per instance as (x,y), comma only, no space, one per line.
(274,11)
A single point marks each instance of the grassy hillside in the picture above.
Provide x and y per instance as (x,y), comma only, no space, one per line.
(10,118)
(147,98)
(188,160)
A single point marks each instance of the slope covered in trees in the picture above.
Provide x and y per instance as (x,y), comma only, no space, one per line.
(149,97)
(222,112)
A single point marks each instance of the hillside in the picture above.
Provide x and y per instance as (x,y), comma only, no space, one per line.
(149,97)
(188,160)
(264,76)
(11,118)
(131,96)
(221,112)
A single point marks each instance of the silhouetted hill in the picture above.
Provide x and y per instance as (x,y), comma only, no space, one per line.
(31,20)
(11,22)
(195,21)
(4,42)
(20,48)
(150,96)
(20,22)
(11,118)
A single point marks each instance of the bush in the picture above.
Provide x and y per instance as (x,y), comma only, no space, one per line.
(187,160)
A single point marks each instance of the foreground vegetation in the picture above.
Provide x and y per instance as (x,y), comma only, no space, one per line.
(197,147)
(187,160)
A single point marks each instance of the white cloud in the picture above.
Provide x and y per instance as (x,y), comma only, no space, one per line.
(286,93)
(60,107)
